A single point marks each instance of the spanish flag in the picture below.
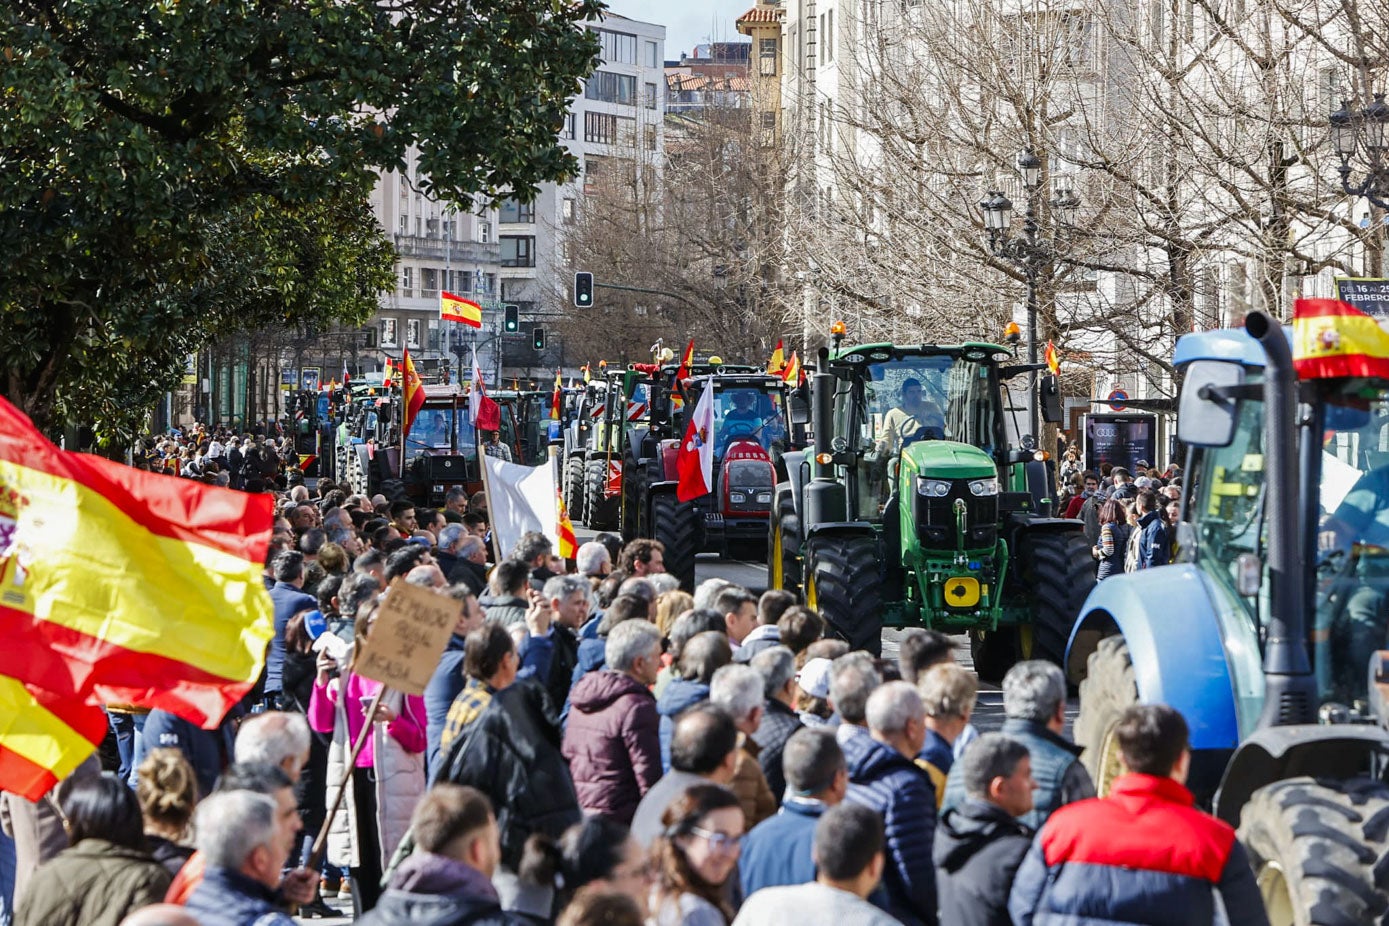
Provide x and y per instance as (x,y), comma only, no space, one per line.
(555,399)
(792,373)
(568,542)
(777,364)
(457,309)
(117,586)
(1053,359)
(588,374)
(386,378)
(413,389)
(677,396)
(1334,339)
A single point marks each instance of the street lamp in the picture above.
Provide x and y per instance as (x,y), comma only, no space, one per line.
(1351,131)
(1030,253)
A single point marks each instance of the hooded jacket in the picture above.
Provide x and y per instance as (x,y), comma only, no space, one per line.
(612,743)
(679,696)
(433,890)
(892,785)
(977,852)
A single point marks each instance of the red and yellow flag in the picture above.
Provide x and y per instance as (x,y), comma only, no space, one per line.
(677,397)
(117,586)
(792,373)
(777,364)
(588,374)
(388,377)
(457,309)
(413,389)
(1334,339)
(568,542)
(555,399)
(1053,359)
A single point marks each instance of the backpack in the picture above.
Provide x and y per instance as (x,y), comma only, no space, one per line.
(1131,552)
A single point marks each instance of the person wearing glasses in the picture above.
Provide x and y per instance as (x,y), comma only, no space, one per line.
(696,854)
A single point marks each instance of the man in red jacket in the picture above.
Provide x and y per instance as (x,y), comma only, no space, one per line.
(1144,854)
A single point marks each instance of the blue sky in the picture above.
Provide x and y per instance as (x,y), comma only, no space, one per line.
(688,22)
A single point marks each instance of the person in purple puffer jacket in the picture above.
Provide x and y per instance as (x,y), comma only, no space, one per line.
(612,742)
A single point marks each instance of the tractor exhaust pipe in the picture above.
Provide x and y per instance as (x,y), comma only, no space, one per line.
(1290,687)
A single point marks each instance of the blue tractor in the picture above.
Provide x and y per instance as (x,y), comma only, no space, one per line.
(1269,632)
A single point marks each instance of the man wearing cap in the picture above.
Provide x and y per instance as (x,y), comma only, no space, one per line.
(814,682)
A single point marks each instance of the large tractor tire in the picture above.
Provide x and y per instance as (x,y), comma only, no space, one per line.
(394,490)
(844,583)
(679,526)
(574,487)
(1320,850)
(784,543)
(994,652)
(600,511)
(1060,572)
(633,499)
(1106,692)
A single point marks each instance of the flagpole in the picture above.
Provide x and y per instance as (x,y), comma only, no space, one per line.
(487,493)
(321,842)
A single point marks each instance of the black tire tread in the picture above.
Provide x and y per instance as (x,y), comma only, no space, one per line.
(574,494)
(1327,837)
(679,526)
(784,518)
(848,588)
(600,513)
(1060,573)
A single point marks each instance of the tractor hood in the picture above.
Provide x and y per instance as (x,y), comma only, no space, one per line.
(944,459)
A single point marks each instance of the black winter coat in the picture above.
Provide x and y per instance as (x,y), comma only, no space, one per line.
(978,849)
(511,754)
(778,723)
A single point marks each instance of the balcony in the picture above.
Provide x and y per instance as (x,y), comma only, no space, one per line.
(441,250)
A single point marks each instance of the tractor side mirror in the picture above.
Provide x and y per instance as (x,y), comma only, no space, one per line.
(1049,394)
(800,405)
(1209,403)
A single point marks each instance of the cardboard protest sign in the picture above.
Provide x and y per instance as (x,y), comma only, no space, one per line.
(407,637)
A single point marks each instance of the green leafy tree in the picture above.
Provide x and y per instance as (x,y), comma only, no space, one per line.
(177,170)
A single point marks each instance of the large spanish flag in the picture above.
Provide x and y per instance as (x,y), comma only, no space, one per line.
(1333,339)
(457,309)
(413,389)
(117,585)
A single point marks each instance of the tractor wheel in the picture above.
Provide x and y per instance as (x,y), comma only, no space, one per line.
(1105,693)
(994,652)
(679,526)
(784,543)
(633,498)
(1319,849)
(844,583)
(600,512)
(1060,573)
(574,487)
(394,490)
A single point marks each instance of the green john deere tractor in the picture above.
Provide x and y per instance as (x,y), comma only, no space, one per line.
(912,509)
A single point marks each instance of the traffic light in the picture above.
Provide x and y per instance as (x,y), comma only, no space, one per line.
(513,319)
(538,338)
(583,289)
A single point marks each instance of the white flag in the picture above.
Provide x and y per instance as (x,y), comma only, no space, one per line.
(520,499)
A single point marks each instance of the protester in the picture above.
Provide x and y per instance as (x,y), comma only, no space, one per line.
(448,679)
(777,666)
(598,906)
(642,557)
(778,850)
(884,777)
(980,844)
(1144,853)
(738,690)
(289,599)
(612,742)
(597,852)
(849,858)
(947,692)
(490,664)
(106,873)
(446,881)
(703,749)
(701,657)
(245,842)
(168,795)
(1034,705)
(770,607)
(695,854)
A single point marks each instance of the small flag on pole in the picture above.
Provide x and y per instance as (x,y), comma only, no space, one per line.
(778,361)
(792,373)
(1053,359)
(413,389)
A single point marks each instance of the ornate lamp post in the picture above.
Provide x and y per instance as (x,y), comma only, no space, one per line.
(1358,138)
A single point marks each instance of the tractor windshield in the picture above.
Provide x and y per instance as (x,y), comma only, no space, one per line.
(929,398)
(749,414)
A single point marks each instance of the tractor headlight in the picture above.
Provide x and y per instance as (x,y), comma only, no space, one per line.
(738,497)
(932,488)
(983,487)
(764,498)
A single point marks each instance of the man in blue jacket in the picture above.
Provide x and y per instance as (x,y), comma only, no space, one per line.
(884,777)
(1154,546)
(778,851)
(289,598)
(1144,854)
(447,681)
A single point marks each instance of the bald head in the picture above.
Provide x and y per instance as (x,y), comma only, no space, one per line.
(160,914)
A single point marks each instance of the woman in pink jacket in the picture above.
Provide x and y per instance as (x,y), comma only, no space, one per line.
(389,775)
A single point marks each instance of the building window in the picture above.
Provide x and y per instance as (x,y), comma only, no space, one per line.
(484,232)
(607,87)
(460,281)
(518,250)
(515,212)
(567,211)
(568,126)
(829,34)
(650,96)
(766,57)
(769,120)
(388,332)
(650,131)
(600,128)
(653,59)
(429,281)
(618,47)
(433,334)
(412,332)
(407,281)
(405,225)
(489,282)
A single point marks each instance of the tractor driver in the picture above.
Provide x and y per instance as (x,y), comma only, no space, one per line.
(437,434)
(1359,530)
(902,424)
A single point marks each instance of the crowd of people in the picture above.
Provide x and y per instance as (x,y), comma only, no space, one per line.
(256,460)
(1130,521)
(598,746)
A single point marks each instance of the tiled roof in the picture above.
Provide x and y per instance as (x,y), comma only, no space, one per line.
(762,15)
